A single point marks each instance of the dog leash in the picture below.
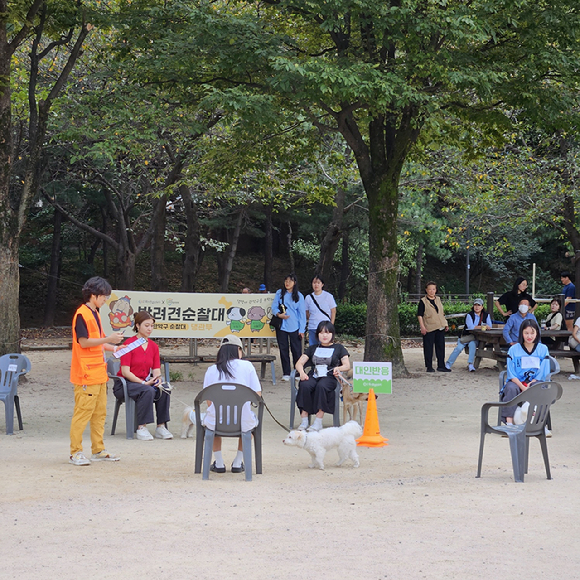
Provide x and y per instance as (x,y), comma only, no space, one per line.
(276,420)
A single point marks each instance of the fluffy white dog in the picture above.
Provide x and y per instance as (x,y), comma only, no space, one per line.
(188,423)
(317,443)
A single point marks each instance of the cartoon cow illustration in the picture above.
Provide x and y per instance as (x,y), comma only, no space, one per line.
(236,318)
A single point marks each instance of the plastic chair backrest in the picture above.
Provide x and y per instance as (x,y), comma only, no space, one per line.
(11,367)
(113,366)
(540,397)
(228,398)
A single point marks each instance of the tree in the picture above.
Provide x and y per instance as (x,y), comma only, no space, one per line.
(54,35)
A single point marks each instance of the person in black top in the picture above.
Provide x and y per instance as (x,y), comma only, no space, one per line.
(316,389)
(511,299)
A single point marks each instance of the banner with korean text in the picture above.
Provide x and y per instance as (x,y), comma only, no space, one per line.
(372,375)
(187,315)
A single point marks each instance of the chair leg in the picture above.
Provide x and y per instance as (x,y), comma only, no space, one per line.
(247,451)
(480,459)
(258,448)
(292,404)
(118,403)
(130,417)
(518,451)
(199,438)
(207,451)
(544,446)
(336,415)
(18,413)
(9,413)
(273,372)
(166,371)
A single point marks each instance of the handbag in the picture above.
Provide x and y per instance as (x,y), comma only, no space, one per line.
(275,321)
(466,338)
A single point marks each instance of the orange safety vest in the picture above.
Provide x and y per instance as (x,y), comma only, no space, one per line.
(88,366)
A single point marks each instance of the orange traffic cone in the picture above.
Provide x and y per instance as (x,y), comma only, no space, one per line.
(371,433)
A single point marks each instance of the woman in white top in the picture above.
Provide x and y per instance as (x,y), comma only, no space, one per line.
(229,366)
(553,322)
(320,306)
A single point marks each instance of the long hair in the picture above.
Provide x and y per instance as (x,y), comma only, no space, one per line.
(295,296)
(226,354)
(527,324)
(518,281)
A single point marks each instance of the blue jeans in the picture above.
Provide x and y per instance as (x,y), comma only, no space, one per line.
(312,337)
(472,346)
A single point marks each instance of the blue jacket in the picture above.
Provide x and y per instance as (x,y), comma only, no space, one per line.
(296,311)
(511,330)
(527,366)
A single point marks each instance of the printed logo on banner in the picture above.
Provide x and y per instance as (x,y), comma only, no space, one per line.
(372,375)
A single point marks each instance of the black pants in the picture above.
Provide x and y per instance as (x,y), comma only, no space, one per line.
(434,338)
(145,396)
(287,340)
(316,395)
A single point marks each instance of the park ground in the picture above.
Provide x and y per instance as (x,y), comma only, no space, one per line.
(413,509)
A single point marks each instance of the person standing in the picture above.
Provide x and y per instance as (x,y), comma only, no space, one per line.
(288,305)
(433,327)
(510,300)
(88,373)
(320,306)
(569,291)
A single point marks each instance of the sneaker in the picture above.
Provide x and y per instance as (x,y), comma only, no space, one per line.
(430,370)
(547,432)
(104,455)
(163,433)
(143,434)
(443,370)
(447,365)
(471,368)
(286,378)
(239,469)
(79,459)
(216,469)
(316,426)
(303,426)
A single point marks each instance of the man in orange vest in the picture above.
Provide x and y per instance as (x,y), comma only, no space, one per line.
(88,373)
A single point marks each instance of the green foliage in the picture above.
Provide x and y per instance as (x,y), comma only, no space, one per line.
(351,319)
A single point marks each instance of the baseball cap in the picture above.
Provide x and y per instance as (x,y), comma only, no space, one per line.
(262,287)
(478,301)
(231,339)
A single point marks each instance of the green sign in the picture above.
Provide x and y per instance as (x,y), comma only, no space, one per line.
(372,375)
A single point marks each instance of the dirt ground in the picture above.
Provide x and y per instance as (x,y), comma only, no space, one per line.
(413,509)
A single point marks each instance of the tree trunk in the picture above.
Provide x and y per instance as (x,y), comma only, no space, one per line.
(419,269)
(233,248)
(51,293)
(268,250)
(330,241)
(125,269)
(157,249)
(383,342)
(290,252)
(191,262)
(345,266)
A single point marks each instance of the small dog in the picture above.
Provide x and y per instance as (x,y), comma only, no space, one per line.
(352,403)
(317,443)
(188,423)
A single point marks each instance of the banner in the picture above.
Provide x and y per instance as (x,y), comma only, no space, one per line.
(185,315)
(375,375)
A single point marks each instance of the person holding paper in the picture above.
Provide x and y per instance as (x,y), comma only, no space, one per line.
(316,390)
(527,363)
(141,368)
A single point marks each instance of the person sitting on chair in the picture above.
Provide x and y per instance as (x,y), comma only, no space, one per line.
(512,326)
(141,368)
(316,390)
(528,362)
(553,322)
(230,367)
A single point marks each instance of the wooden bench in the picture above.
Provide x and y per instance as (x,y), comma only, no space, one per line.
(263,359)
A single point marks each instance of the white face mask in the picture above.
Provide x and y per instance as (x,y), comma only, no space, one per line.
(523,308)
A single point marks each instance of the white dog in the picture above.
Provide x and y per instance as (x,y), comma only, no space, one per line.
(188,423)
(317,443)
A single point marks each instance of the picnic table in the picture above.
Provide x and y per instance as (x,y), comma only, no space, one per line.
(490,342)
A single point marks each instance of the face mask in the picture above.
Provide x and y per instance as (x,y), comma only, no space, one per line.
(523,308)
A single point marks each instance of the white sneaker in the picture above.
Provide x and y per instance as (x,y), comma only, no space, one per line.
(79,459)
(316,426)
(471,368)
(143,434)
(303,425)
(286,378)
(104,455)
(547,432)
(163,433)
(447,365)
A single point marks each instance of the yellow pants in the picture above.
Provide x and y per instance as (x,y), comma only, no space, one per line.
(90,405)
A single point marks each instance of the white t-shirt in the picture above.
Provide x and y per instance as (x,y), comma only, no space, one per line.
(244,374)
(315,317)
